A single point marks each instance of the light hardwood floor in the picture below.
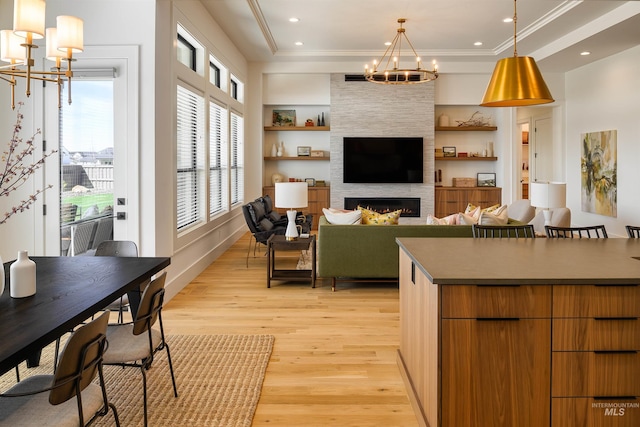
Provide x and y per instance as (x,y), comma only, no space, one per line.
(334,358)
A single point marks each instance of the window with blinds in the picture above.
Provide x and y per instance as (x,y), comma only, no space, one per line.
(237,158)
(190,158)
(218,159)
(210,139)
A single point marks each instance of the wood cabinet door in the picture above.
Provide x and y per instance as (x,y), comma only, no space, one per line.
(496,372)
(485,197)
(318,199)
(449,201)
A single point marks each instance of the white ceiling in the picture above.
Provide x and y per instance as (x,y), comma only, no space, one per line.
(554,32)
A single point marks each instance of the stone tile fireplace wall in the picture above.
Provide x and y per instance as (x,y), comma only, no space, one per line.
(369,109)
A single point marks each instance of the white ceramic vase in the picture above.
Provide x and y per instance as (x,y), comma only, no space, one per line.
(22,276)
(274,150)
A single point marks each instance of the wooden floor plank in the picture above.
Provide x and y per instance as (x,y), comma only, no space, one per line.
(334,357)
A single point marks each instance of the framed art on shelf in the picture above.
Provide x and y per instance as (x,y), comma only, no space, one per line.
(449,151)
(304,151)
(284,118)
(486,180)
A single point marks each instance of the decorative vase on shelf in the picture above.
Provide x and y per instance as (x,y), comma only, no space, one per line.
(443,120)
(274,150)
(322,120)
(22,276)
(1,276)
(280,151)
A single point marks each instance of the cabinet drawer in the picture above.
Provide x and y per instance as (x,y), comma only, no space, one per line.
(585,334)
(596,301)
(470,302)
(586,412)
(579,374)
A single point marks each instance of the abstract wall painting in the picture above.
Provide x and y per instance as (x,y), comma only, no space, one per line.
(599,172)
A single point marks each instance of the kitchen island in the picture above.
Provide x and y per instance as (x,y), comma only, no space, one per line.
(521,332)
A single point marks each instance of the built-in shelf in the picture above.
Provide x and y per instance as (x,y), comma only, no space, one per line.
(297,128)
(297,158)
(466,159)
(467,128)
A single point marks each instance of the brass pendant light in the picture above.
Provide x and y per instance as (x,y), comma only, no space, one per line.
(516,81)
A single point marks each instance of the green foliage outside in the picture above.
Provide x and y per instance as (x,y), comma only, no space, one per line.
(85,201)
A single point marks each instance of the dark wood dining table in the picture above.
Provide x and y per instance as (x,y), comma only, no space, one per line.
(69,290)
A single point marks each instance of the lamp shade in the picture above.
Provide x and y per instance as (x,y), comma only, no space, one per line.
(291,195)
(10,48)
(70,33)
(548,195)
(516,82)
(28,18)
(52,45)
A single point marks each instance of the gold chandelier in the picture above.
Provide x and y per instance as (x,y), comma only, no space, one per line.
(392,72)
(516,81)
(16,46)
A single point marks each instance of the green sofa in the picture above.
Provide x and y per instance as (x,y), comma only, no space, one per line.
(370,251)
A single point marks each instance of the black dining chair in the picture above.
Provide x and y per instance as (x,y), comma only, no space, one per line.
(593,231)
(633,231)
(48,400)
(499,231)
(135,344)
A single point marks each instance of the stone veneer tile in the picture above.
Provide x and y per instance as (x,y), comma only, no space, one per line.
(369,109)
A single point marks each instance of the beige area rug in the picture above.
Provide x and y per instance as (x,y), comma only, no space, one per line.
(219,379)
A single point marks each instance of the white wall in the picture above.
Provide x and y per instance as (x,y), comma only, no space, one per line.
(193,251)
(136,27)
(149,25)
(604,96)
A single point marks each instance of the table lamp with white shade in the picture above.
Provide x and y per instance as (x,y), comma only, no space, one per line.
(291,195)
(547,196)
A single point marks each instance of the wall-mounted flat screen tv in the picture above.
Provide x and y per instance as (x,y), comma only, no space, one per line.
(376,160)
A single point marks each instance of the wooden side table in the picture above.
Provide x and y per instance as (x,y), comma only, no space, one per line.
(278,242)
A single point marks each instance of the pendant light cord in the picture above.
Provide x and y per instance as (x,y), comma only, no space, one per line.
(515,32)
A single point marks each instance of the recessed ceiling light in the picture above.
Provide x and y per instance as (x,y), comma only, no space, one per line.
(294,19)
(299,43)
(585,53)
(387,43)
(477,44)
(507,20)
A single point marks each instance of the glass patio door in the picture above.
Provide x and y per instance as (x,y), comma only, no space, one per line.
(86,150)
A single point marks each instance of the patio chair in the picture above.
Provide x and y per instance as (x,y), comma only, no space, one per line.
(81,236)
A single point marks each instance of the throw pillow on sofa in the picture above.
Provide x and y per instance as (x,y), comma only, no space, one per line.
(374,218)
(447,220)
(472,208)
(496,217)
(465,219)
(341,216)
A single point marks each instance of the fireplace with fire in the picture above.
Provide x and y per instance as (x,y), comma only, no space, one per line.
(410,206)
